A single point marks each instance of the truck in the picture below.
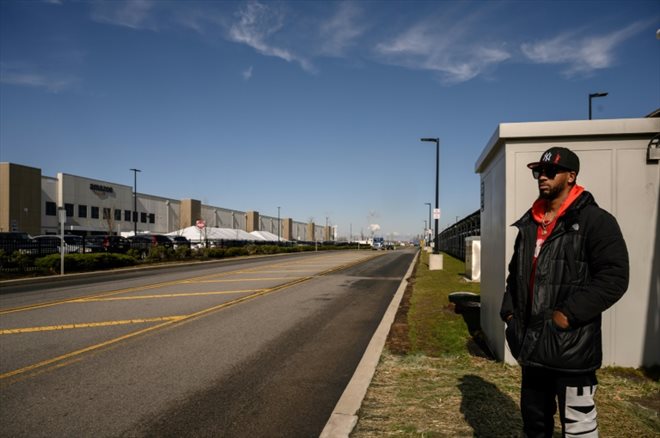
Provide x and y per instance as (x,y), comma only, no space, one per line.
(378,243)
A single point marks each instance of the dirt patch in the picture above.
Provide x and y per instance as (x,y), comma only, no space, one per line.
(398,341)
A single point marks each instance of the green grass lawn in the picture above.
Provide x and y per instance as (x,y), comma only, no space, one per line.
(441,386)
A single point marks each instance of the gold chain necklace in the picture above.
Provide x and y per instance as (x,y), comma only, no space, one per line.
(545,222)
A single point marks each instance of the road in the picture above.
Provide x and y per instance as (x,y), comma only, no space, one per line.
(256,347)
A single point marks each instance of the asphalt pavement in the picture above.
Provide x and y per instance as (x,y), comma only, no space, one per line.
(254,348)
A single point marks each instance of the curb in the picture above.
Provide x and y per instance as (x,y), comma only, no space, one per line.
(344,417)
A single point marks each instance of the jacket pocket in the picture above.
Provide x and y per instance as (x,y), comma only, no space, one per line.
(512,337)
(570,349)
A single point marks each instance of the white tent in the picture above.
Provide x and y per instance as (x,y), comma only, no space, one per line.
(266,236)
(194,234)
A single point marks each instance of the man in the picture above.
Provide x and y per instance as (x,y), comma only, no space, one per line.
(570,264)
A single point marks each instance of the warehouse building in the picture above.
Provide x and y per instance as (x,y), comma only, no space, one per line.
(29,202)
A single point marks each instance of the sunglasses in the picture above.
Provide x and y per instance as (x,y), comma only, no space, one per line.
(549,171)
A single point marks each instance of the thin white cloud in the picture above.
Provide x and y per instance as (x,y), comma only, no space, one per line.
(30,78)
(256,23)
(340,31)
(135,14)
(247,74)
(444,50)
(581,54)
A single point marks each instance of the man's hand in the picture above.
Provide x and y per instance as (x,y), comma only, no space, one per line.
(560,319)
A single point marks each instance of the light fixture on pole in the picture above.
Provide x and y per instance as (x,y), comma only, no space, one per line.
(594,95)
(436,248)
(135,172)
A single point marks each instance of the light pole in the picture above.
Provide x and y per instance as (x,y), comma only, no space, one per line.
(593,95)
(279,228)
(436,248)
(135,172)
(426,230)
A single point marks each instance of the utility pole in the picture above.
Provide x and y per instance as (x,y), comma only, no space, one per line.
(135,172)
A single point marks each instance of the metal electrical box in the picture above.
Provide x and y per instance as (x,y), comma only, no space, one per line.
(473,258)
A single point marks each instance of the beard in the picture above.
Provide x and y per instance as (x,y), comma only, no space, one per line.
(552,193)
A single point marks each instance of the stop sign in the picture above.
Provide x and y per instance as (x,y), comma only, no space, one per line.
(200,223)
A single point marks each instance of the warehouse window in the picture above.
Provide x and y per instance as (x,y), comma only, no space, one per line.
(152,218)
(143,217)
(82,211)
(106,213)
(117,215)
(51,209)
(69,210)
(127,215)
(95,212)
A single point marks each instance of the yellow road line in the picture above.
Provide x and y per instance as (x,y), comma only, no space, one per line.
(80,325)
(72,354)
(55,360)
(127,290)
(179,295)
(230,280)
(279,271)
(59,361)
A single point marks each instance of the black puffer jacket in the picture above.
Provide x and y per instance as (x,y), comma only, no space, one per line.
(582,270)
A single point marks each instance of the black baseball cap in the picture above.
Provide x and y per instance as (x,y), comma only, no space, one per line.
(558,156)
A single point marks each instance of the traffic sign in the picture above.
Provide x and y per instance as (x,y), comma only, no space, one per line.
(436,213)
(201,224)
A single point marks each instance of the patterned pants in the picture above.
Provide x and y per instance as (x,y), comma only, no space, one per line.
(543,391)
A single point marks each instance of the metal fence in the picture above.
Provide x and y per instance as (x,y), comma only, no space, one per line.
(452,239)
(19,252)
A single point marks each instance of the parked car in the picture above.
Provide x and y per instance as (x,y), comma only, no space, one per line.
(17,241)
(161,240)
(144,242)
(51,243)
(109,243)
(179,241)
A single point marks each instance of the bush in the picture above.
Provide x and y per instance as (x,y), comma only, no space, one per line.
(16,261)
(136,254)
(160,254)
(236,251)
(84,262)
(214,253)
(264,249)
(182,253)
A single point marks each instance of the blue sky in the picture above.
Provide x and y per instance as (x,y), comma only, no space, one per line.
(316,107)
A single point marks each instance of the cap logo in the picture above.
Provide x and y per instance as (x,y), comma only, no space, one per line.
(547,156)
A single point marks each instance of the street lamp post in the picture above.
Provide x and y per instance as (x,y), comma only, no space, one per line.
(279,228)
(135,172)
(593,95)
(436,248)
(426,230)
